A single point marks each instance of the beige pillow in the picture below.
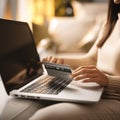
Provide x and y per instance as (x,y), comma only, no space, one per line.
(88,40)
(67,31)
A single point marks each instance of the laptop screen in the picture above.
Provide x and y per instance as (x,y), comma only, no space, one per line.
(19,60)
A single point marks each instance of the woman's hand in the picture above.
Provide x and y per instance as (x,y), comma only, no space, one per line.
(53,60)
(90,74)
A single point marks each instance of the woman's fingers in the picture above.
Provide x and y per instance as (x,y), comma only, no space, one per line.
(84,67)
(60,61)
(90,74)
(84,70)
(53,60)
(84,76)
(49,58)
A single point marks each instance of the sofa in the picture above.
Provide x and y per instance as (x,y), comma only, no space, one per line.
(78,33)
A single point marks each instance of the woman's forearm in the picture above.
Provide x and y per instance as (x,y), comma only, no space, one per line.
(89,58)
(83,60)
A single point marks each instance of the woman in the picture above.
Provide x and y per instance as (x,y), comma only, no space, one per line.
(101,65)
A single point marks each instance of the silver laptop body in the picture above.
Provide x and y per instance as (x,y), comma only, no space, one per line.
(23,74)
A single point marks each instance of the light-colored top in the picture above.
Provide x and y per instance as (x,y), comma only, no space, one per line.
(108,61)
(106,58)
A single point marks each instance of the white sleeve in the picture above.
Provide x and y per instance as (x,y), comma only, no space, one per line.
(113,81)
(112,91)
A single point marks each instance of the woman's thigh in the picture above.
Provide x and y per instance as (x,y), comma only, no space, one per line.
(103,110)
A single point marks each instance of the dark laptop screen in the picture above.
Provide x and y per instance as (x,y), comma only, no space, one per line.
(19,60)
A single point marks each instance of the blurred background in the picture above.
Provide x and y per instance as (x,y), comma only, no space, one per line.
(59,26)
(62,28)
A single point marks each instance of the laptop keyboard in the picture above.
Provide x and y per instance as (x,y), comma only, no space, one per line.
(48,85)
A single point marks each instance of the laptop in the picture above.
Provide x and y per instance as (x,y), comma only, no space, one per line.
(25,76)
